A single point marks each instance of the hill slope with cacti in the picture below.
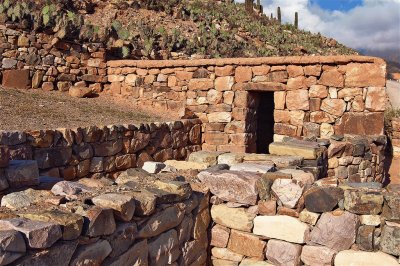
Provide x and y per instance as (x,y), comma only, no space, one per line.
(152,29)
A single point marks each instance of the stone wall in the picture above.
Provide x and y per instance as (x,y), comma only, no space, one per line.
(102,151)
(314,96)
(287,218)
(43,61)
(396,136)
(139,220)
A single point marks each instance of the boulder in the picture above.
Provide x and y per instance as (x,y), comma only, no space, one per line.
(363,124)
(233,186)
(281,227)
(336,230)
(353,257)
(99,222)
(235,218)
(22,199)
(283,253)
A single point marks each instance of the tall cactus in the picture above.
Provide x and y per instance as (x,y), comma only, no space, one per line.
(249,5)
(279,15)
(296,20)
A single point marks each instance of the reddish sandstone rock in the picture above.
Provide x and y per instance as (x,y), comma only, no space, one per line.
(317,255)
(280,99)
(247,244)
(321,117)
(313,70)
(200,84)
(224,71)
(360,124)
(243,74)
(16,79)
(334,106)
(232,186)
(284,129)
(336,230)
(224,83)
(219,236)
(376,99)
(283,253)
(277,76)
(295,71)
(297,100)
(80,92)
(297,83)
(261,70)
(365,75)
(318,91)
(332,78)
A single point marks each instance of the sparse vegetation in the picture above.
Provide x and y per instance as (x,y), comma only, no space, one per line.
(390,114)
(208,28)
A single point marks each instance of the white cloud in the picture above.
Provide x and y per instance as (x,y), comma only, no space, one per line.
(375,25)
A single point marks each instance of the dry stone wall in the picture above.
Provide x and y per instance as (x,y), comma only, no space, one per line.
(139,219)
(315,97)
(101,151)
(38,60)
(287,218)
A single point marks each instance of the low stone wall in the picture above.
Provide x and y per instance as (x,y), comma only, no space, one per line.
(97,222)
(102,151)
(39,60)
(313,96)
(396,136)
(286,218)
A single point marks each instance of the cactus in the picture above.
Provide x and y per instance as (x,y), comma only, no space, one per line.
(249,5)
(125,51)
(279,15)
(296,20)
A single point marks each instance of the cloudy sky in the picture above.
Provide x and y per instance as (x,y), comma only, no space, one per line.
(360,24)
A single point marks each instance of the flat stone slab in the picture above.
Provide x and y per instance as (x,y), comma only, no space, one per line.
(236,218)
(281,227)
(279,161)
(210,158)
(153,167)
(183,165)
(286,148)
(232,186)
(352,257)
(22,199)
(68,188)
(261,168)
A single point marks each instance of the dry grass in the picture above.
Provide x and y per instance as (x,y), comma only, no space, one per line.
(36,109)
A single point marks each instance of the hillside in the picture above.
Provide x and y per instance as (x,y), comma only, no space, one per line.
(168,29)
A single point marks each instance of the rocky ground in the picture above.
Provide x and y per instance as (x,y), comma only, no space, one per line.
(36,109)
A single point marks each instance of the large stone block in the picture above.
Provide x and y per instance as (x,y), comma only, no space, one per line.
(12,246)
(353,257)
(336,230)
(281,148)
(283,253)
(317,255)
(297,100)
(123,205)
(390,239)
(281,227)
(16,79)
(376,100)
(360,124)
(365,75)
(363,202)
(322,199)
(232,186)
(334,106)
(235,218)
(22,173)
(247,244)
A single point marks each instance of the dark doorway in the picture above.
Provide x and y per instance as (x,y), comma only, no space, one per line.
(265,120)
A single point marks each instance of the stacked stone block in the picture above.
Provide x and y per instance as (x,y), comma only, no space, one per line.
(286,218)
(315,97)
(37,60)
(396,136)
(94,222)
(102,151)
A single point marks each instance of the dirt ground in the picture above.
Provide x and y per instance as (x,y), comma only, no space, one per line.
(36,109)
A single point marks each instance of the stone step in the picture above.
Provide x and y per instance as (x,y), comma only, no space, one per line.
(308,152)
(22,173)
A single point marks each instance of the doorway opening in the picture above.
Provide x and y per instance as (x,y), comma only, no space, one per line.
(265,120)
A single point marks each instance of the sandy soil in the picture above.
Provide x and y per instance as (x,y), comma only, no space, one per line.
(36,109)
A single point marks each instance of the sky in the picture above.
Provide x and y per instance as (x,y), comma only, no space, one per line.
(359,24)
